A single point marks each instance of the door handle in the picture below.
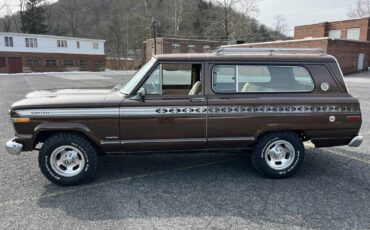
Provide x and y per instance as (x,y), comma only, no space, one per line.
(198,100)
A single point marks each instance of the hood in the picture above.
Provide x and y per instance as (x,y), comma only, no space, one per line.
(63,98)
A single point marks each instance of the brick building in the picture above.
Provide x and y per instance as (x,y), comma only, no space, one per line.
(176,45)
(348,41)
(355,29)
(45,53)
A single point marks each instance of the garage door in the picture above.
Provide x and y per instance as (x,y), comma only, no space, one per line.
(15,64)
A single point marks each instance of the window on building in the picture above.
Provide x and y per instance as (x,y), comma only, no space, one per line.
(68,63)
(84,63)
(9,41)
(206,48)
(62,43)
(78,44)
(50,63)
(32,62)
(353,34)
(191,48)
(98,63)
(96,45)
(334,34)
(31,42)
(2,62)
(261,79)
(175,48)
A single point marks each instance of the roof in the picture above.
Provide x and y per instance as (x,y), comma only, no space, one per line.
(345,21)
(50,36)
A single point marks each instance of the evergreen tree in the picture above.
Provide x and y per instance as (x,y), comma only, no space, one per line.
(33,17)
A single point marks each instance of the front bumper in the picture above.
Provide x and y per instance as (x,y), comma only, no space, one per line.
(13,147)
(356,141)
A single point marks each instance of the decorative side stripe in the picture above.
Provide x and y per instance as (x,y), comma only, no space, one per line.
(185,110)
(52,113)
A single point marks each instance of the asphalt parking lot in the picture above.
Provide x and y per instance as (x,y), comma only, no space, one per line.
(179,191)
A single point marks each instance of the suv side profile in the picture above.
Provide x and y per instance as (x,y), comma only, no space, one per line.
(266,100)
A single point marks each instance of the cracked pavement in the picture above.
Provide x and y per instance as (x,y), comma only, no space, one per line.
(183,191)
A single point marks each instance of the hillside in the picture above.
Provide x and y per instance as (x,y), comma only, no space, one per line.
(125,24)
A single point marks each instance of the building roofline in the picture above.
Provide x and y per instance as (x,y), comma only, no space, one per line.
(274,42)
(326,22)
(50,36)
(187,39)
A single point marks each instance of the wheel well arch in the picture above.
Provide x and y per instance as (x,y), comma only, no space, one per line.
(42,136)
(300,133)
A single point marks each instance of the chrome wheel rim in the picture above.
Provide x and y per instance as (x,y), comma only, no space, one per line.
(279,155)
(67,161)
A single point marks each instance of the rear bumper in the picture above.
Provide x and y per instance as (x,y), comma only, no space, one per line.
(13,147)
(356,141)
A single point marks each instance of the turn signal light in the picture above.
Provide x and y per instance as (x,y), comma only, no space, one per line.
(21,120)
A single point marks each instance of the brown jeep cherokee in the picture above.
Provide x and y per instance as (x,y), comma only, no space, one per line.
(270,101)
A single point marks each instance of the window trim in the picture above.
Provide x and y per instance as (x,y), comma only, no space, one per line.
(259,64)
(9,41)
(51,60)
(159,63)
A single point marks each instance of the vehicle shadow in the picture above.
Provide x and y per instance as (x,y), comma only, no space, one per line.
(329,191)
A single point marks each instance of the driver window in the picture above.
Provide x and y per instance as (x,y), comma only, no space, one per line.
(152,85)
(175,79)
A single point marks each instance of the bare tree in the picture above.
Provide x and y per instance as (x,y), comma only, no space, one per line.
(280,24)
(362,9)
(72,9)
(248,7)
(177,19)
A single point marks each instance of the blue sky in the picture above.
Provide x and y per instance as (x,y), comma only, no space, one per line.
(301,12)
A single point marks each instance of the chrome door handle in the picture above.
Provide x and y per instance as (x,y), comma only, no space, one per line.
(198,100)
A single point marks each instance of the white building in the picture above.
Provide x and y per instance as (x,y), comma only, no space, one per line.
(35,53)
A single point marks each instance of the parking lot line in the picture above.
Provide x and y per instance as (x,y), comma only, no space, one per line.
(350,157)
(125,179)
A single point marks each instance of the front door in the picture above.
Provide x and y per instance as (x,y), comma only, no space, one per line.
(15,64)
(361,59)
(172,115)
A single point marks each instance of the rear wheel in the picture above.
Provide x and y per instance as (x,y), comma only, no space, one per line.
(278,154)
(68,159)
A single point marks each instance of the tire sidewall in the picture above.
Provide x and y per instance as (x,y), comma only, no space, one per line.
(45,164)
(298,157)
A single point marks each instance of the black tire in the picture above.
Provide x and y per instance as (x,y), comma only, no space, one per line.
(86,151)
(261,156)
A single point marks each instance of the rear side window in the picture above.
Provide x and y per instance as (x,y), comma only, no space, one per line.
(261,79)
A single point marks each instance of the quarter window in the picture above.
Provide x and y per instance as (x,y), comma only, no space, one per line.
(9,41)
(31,42)
(261,79)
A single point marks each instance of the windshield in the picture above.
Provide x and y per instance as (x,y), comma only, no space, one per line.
(129,87)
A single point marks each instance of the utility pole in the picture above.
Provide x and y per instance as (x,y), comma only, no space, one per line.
(154,24)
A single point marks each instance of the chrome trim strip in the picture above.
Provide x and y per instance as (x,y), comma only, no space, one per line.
(110,142)
(231,139)
(153,141)
(184,110)
(51,113)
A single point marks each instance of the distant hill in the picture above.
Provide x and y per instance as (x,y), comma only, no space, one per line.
(125,24)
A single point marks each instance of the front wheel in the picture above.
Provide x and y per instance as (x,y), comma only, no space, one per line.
(278,154)
(68,159)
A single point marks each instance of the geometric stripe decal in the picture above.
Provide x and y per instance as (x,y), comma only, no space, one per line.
(185,110)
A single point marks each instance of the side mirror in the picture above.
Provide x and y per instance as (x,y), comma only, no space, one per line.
(140,95)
